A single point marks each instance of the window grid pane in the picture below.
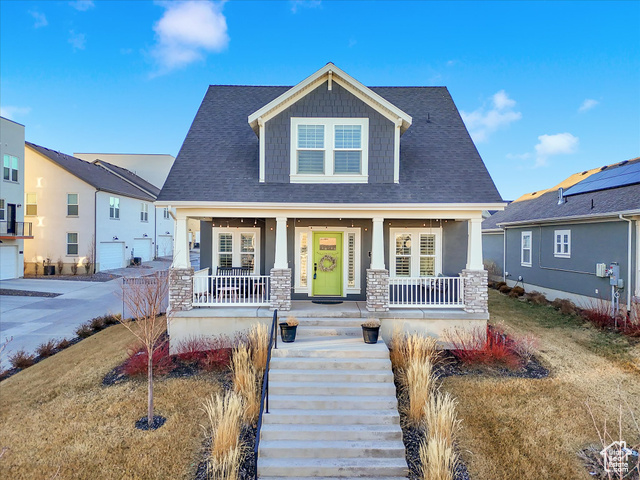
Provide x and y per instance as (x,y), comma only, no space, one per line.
(311,161)
(351,260)
(247,242)
(247,260)
(348,136)
(403,244)
(225,260)
(403,266)
(226,242)
(427,266)
(303,259)
(347,162)
(310,136)
(427,244)
(72,210)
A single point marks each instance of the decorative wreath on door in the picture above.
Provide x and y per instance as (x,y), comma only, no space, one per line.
(327,268)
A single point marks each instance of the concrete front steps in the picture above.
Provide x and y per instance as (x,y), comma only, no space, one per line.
(333,408)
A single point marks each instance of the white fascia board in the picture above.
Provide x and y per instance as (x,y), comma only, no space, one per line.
(292,95)
(570,219)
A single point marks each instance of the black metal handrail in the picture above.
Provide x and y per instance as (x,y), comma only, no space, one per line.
(264,398)
(15,229)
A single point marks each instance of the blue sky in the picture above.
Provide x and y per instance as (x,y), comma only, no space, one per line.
(545,88)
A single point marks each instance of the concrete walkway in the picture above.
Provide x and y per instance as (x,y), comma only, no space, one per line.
(35,320)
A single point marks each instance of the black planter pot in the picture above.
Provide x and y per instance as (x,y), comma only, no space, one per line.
(49,269)
(287,333)
(370,334)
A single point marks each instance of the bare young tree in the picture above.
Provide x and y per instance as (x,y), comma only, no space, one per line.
(90,259)
(145,299)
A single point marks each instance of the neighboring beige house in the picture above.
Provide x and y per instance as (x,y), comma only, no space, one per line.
(13,229)
(81,210)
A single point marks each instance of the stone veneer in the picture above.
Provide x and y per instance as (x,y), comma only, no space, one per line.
(377,290)
(476,294)
(180,289)
(280,289)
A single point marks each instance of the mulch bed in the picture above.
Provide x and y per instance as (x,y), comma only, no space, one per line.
(450,365)
(96,277)
(12,371)
(143,423)
(27,293)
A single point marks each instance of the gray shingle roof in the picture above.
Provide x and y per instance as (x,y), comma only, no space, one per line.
(218,160)
(92,174)
(545,207)
(129,175)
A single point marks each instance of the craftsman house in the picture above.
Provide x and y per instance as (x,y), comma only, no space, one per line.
(329,190)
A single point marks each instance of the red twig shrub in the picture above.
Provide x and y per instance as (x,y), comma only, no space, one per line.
(62,344)
(137,362)
(217,359)
(208,353)
(486,347)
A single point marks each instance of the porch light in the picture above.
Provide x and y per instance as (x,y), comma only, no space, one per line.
(145,235)
(166,233)
(115,238)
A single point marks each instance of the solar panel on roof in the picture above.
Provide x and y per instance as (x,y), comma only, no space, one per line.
(627,174)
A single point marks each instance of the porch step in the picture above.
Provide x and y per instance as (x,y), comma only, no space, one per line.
(332,417)
(330,432)
(330,322)
(330,347)
(332,449)
(331,389)
(315,363)
(319,377)
(326,331)
(334,402)
(332,468)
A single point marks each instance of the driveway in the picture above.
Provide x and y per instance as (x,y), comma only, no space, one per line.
(35,320)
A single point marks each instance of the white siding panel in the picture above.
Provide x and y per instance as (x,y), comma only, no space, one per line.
(8,262)
(142,248)
(111,255)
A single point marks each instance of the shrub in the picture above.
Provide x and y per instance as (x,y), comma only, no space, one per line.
(440,417)
(504,289)
(22,359)
(371,323)
(536,298)
(599,313)
(519,291)
(259,346)
(415,347)
(84,330)
(480,346)
(292,321)
(498,285)
(564,306)
(192,350)
(112,319)
(419,379)
(513,294)
(524,346)
(74,266)
(62,344)
(97,324)
(438,459)
(60,265)
(217,359)
(245,382)
(47,349)
(137,361)
(87,265)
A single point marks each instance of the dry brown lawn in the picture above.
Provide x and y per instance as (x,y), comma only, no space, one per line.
(532,429)
(57,417)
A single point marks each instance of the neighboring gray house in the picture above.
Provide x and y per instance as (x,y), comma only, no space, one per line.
(563,241)
(329,190)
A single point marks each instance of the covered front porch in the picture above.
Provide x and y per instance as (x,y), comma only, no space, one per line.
(416,259)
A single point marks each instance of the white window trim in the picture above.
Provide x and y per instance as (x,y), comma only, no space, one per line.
(115,209)
(415,249)
(235,258)
(356,289)
(522,249)
(561,254)
(3,209)
(76,204)
(11,169)
(66,245)
(328,176)
(27,204)
(144,212)
(165,213)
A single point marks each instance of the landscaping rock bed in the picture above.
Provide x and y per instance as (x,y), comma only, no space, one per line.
(143,423)
(27,293)
(450,365)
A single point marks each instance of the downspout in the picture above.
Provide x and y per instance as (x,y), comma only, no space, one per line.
(95,228)
(630,223)
(504,255)
(155,231)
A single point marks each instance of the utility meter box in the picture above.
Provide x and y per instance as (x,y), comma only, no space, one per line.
(614,274)
(601,270)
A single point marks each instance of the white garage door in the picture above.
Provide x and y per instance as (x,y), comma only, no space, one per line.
(165,245)
(111,255)
(8,261)
(142,248)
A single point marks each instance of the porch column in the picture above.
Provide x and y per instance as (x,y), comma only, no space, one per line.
(377,275)
(280,292)
(181,246)
(474,244)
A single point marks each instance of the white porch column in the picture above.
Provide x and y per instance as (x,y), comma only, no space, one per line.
(474,244)
(281,243)
(377,244)
(181,246)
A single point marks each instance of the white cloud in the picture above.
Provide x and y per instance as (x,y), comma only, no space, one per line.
(482,123)
(13,112)
(40,19)
(186,31)
(295,4)
(518,156)
(82,5)
(587,105)
(558,144)
(77,40)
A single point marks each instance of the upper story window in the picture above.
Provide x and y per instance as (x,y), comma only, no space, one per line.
(165,213)
(114,208)
(10,168)
(72,204)
(32,205)
(562,242)
(144,212)
(525,249)
(329,150)
(2,209)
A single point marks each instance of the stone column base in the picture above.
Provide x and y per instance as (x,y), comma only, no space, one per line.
(377,290)
(180,289)
(476,294)
(280,297)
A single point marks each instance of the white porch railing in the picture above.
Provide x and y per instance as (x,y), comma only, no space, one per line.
(426,292)
(230,290)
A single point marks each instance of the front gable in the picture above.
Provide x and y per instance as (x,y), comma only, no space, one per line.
(375,125)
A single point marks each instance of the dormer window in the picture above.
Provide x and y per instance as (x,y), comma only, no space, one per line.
(329,150)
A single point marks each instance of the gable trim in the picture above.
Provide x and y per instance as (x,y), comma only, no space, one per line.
(349,83)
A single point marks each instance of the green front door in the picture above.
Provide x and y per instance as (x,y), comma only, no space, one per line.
(327,264)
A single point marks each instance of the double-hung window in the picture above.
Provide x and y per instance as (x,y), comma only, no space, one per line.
(562,243)
(415,252)
(525,249)
(10,168)
(72,204)
(114,208)
(2,210)
(144,212)
(165,213)
(329,150)
(72,243)
(236,248)
(32,205)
